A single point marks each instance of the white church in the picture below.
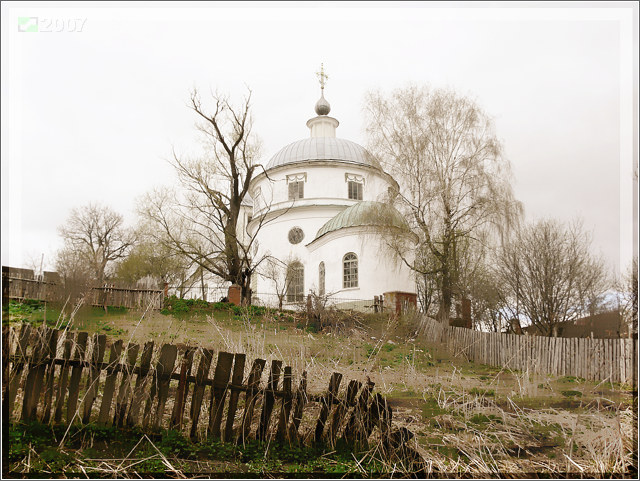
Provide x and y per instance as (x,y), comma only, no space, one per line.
(314,211)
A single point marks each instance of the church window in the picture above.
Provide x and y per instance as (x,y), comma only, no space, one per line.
(296,190)
(350,270)
(355,190)
(355,186)
(321,279)
(295,287)
(296,185)
(296,235)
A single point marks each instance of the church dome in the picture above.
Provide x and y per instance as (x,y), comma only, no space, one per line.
(365,213)
(322,148)
(322,106)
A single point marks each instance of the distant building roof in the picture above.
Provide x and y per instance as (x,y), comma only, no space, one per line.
(366,213)
(323,148)
(605,325)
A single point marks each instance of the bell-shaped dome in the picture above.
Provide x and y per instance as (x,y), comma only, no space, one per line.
(366,213)
(323,148)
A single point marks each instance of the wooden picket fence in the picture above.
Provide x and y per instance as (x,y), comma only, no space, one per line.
(62,378)
(22,285)
(614,360)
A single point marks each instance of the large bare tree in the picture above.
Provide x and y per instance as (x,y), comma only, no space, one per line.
(95,234)
(202,220)
(549,272)
(454,181)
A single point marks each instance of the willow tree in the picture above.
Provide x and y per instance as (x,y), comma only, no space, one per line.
(202,219)
(454,180)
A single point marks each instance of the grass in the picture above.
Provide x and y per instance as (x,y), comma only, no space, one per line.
(469,419)
(36,449)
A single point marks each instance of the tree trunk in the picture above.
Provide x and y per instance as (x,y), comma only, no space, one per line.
(445,301)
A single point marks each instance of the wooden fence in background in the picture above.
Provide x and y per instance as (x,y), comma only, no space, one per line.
(62,377)
(15,287)
(614,360)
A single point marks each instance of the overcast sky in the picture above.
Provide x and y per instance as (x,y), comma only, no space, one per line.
(92,115)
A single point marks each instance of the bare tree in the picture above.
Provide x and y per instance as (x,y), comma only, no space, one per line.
(281,273)
(548,271)
(95,234)
(489,311)
(152,259)
(76,274)
(204,221)
(628,294)
(454,181)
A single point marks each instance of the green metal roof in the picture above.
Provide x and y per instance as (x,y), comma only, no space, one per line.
(366,213)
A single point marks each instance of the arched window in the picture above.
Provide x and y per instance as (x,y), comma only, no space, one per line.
(321,279)
(295,286)
(350,270)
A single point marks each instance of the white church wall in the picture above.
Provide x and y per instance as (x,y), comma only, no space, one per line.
(322,182)
(273,237)
(378,271)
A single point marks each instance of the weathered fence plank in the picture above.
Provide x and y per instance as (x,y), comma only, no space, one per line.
(218,392)
(99,345)
(198,390)
(250,398)
(285,408)
(33,383)
(162,378)
(76,373)
(341,409)
(64,377)
(18,367)
(139,391)
(110,383)
(183,389)
(50,372)
(301,400)
(327,403)
(269,400)
(125,391)
(236,379)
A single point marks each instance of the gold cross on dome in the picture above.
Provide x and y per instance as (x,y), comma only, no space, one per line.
(323,77)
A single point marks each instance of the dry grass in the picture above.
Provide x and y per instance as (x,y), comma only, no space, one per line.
(482,423)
